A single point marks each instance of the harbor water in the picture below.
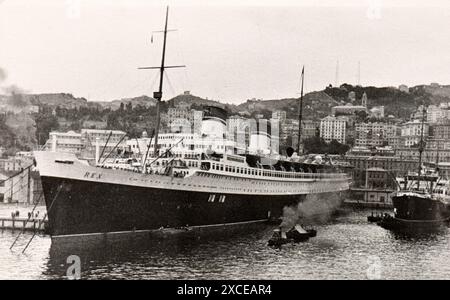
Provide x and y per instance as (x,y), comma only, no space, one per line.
(346,247)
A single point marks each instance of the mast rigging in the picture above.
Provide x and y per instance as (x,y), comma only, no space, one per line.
(300,112)
(158,95)
(421,147)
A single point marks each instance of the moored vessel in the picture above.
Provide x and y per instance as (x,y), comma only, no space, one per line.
(422,201)
(203,188)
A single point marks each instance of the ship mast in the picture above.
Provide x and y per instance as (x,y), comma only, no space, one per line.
(158,95)
(421,147)
(300,112)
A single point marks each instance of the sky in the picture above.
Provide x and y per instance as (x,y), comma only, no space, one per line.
(233,50)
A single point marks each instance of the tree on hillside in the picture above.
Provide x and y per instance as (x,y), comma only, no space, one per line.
(361,116)
(45,123)
(7,136)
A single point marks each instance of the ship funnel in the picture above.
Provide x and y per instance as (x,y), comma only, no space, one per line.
(260,137)
(214,122)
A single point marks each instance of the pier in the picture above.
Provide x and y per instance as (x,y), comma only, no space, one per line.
(33,225)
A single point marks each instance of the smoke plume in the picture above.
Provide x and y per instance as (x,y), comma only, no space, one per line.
(315,208)
(16,96)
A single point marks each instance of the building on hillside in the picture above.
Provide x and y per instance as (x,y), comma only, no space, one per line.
(64,142)
(197,116)
(13,164)
(238,129)
(395,165)
(91,124)
(310,128)
(181,111)
(333,128)
(440,130)
(108,141)
(414,128)
(403,88)
(435,85)
(435,114)
(280,115)
(288,131)
(376,112)
(428,155)
(347,109)
(418,114)
(84,143)
(374,134)
(182,118)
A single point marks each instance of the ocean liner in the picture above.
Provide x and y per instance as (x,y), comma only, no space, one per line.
(422,201)
(200,189)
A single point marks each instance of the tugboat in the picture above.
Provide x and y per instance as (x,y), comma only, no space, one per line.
(278,238)
(296,234)
(422,202)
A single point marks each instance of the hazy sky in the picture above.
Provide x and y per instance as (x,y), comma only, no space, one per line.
(234,50)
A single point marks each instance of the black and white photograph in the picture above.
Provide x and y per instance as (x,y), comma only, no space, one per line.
(213,140)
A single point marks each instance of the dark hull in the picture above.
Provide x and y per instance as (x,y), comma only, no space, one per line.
(415,226)
(415,208)
(416,213)
(81,207)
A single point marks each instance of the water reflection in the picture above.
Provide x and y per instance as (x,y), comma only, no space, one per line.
(344,248)
(144,256)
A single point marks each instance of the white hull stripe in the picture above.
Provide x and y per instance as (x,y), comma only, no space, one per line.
(208,183)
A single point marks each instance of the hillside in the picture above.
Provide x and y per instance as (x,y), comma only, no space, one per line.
(22,125)
(141,100)
(56,99)
(398,103)
(65,100)
(194,100)
(439,92)
(315,105)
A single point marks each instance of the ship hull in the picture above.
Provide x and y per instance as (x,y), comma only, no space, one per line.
(413,226)
(87,200)
(416,213)
(81,207)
